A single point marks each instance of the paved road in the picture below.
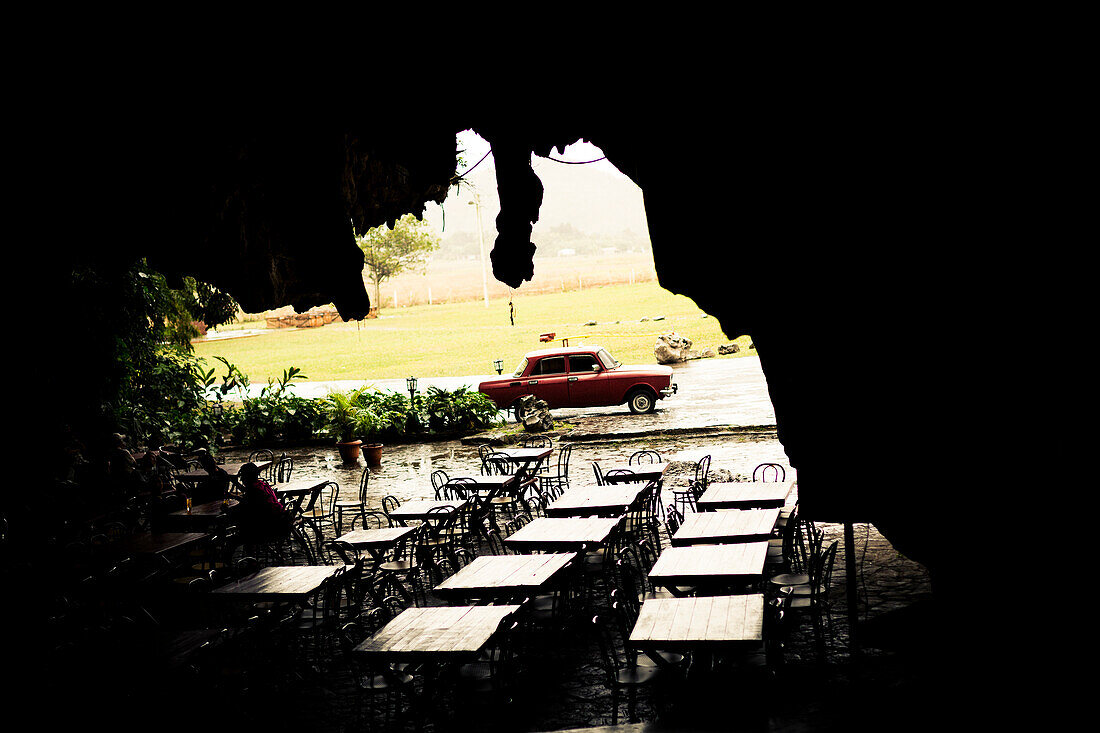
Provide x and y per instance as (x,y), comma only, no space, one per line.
(716,391)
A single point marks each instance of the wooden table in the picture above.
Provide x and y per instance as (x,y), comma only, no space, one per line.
(157,543)
(438,634)
(744,495)
(278,583)
(419,509)
(483,483)
(201,516)
(561,534)
(638,472)
(709,566)
(596,501)
(703,528)
(300,487)
(504,576)
(709,623)
(199,474)
(527,460)
(377,541)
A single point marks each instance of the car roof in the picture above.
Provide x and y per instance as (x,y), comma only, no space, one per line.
(563,350)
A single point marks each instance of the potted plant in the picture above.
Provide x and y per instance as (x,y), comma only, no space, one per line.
(344,419)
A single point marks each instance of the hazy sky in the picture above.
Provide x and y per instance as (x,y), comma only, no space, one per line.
(457,215)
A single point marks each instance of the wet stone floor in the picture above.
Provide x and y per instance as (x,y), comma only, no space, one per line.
(557,681)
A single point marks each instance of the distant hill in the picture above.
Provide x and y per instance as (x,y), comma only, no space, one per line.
(585,208)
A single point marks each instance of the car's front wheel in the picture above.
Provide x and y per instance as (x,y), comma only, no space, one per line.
(517,410)
(641,400)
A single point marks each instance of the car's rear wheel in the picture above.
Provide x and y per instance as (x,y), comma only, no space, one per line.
(641,400)
(517,410)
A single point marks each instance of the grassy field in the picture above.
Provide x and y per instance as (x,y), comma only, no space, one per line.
(455,339)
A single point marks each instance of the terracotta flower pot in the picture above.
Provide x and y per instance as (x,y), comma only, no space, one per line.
(349,451)
(374,454)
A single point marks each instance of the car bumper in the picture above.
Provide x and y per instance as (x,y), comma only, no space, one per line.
(670,390)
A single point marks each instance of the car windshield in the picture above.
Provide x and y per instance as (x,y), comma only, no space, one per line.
(608,361)
(520,368)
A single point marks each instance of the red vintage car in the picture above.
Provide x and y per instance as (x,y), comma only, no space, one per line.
(581,376)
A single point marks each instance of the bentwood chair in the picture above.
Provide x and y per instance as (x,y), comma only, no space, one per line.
(764,470)
(813,599)
(554,485)
(684,498)
(644,456)
(539,441)
(264,454)
(282,469)
(376,684)
(353,506)
(622,672)
(321,512)
(439,480)
(389,503)
(498,464)
(410,555)
(625,612)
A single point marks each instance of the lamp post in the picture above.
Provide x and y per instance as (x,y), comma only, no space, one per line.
(411,384)
(499,364)
(476,203)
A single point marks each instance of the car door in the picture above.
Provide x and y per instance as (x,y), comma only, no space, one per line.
(548,381)
(588,382)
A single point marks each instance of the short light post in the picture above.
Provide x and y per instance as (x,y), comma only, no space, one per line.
(411,384)
(499,364)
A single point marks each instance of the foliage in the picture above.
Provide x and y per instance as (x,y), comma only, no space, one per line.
(458,411)
(387,252)
(343,418)
(277,415)
(371,414)
(386,414)
(165,402)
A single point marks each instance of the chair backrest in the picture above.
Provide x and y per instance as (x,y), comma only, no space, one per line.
(332,494)
(564,452)
(364,482)
(599,474)
(439,480)
(496,544)
(457,488)
(500,464)
(389,503)
(673,520)
(283,469)
(821,572)
(609,655)
(261,454)
(617,472)
(464,556)
(483,452)
(537,441)
(764,470)
(370,519)
(702,472)
(644,456)
(346,551)
(439,518)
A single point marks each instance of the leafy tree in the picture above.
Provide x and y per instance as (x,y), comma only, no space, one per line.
(388,252)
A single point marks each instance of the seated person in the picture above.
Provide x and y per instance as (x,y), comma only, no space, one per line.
(219,482)
(262,517)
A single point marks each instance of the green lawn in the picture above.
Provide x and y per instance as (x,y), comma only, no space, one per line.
(464,338)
